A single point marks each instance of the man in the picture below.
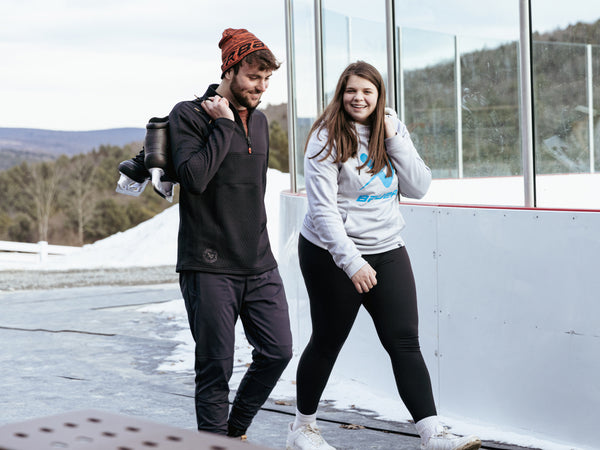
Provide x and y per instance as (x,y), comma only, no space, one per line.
(220,147)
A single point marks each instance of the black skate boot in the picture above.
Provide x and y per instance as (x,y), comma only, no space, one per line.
(134,175)
(134,168)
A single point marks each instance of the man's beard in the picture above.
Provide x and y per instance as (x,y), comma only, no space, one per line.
(239,97)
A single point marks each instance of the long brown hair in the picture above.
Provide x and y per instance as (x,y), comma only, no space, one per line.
(341,132)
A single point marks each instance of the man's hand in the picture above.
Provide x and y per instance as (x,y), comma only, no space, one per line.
(364,279)
(218,108)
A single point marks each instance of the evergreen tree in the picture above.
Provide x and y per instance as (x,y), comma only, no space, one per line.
(278,147)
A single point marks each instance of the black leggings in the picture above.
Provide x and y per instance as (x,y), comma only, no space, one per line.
(334,305)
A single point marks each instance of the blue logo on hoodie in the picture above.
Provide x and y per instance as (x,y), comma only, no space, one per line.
(387,182)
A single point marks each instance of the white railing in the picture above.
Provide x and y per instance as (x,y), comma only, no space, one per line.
(27,252)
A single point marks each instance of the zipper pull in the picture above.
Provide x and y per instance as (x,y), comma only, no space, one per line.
(249,145)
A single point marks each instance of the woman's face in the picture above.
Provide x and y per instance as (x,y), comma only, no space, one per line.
(360,99)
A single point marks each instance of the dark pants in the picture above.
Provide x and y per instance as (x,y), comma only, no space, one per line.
(334,305)
(213,303)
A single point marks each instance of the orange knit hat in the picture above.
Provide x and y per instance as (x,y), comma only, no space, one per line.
(235,45)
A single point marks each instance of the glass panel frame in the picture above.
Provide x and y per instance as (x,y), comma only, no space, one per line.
(347,39)
(490,108)
(596,104)
(566,100)
(429,99)
(304,67)
(463,128)
(560,108)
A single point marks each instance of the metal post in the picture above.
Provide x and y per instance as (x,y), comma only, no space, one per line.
(349,43)
(590,93)
(458,90)
(319,56)
(401,113)
(390,24)
(291,89)
(43,252)
(526,102)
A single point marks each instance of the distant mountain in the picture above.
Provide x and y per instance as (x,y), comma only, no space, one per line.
(30,144)
(35,145)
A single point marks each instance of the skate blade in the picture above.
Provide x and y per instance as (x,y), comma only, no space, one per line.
(162,188)
(167,194)
(127,186)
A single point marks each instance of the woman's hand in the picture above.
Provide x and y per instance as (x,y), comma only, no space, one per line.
(390,127)
(364,279)
(217,108)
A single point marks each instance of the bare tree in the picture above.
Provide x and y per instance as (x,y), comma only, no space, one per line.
(40,184)
(81,193)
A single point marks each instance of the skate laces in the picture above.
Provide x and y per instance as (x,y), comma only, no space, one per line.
(443,439)
(444,432)
(313,434)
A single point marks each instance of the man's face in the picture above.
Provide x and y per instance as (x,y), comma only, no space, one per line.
(248,85)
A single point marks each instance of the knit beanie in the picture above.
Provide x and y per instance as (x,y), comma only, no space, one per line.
(235,45)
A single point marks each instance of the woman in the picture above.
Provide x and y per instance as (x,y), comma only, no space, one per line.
(358,160)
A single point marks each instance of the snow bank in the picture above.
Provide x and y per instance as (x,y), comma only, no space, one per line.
(154,242)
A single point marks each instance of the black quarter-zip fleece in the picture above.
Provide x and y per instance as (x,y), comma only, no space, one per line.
(222,173)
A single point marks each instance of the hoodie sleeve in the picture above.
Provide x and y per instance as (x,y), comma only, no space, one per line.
(321,180)
(198,148)
(414,177)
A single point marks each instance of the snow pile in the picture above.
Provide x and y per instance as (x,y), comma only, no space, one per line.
(151,243)
(154,242)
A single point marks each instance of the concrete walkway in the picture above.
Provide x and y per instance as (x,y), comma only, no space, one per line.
(71,349)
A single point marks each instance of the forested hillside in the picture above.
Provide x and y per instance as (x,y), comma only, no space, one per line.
(71,200)
(490,106)
(579,33)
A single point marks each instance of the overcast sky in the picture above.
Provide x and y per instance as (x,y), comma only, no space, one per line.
(88,64)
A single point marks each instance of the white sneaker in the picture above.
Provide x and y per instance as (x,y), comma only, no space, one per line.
(443,440)
(307,437)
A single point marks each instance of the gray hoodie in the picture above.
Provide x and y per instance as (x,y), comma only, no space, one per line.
(353,213)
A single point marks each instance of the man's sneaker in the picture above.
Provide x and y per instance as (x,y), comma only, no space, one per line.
(238,433)
(307,437)
(443,440)
(242,438)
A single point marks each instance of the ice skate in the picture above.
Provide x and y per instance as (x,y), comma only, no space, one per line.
(127,186)
(156,158)
(162,188)
(134,176)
